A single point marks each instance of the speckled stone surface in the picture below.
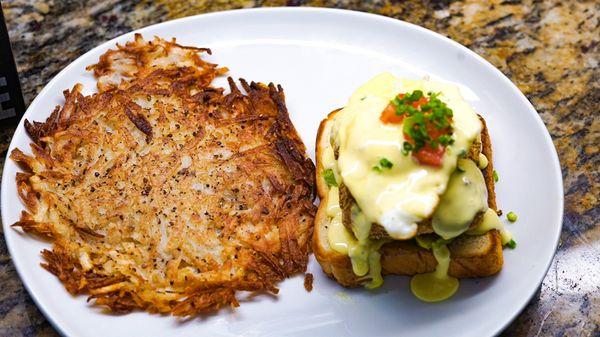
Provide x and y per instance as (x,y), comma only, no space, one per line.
(550,49)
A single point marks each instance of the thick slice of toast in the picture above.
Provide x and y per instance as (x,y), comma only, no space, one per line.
(471,256)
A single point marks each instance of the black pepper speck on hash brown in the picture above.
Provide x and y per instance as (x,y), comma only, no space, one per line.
(164,194)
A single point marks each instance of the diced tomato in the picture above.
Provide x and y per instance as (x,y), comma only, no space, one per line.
(430,156)
(427,155)
(421,101)
(434,132)
(389,116)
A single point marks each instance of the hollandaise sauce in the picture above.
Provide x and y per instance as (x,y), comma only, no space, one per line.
(390,186)
(437,285)
(363,253)
(492,221)
(465,196)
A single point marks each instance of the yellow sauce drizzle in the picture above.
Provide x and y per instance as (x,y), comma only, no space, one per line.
(483,161)
(339,238)
(361,226)
(491,221)
(425,241)
(363,253)
(437,285)
(465,196)
(374,270)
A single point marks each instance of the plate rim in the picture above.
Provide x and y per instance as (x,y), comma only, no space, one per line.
(556,167)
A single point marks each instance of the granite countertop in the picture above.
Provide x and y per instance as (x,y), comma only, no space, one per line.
(548,48)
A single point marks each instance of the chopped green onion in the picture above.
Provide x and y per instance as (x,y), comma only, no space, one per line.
(416,128)
(411,110)
(511,216)
(416,95)
(383,163)
(400,109)
(511,244)
(329,177)
(446,140)
(495,176)
(419,121)
(406,148)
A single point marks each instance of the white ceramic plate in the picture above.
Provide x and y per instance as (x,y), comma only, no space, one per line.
(320,56)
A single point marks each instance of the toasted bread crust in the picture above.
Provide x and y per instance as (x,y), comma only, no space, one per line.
(472,256)
(335,265)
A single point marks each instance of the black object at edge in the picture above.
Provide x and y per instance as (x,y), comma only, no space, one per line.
(12,105)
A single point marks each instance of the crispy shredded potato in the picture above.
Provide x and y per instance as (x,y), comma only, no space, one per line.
(164,194)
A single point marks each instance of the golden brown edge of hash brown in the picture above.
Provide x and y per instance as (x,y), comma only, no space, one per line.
(472,256)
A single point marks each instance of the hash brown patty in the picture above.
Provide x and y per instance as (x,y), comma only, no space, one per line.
(165,194)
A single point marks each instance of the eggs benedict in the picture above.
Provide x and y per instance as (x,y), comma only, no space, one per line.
(406,187)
